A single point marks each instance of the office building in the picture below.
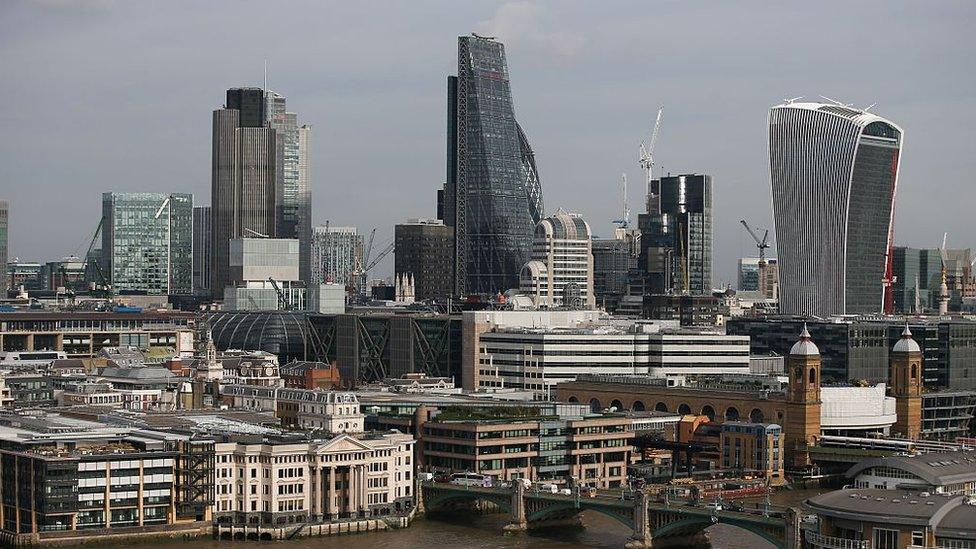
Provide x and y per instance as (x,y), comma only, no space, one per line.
(4,232)
(424,249)
(613,261)
(244,177)
(28,274)
(753,447)
(748,272)
(833,173)
(917,274)
(147,242)
(560,271)
(676,235)
(68,273)
(265,271)
(337,255)
(492,196)
(293,198)
(202,242)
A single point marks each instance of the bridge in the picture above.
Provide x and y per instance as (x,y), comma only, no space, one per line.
(651,522)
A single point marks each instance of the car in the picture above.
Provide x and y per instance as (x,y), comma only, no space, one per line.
(425,477)
(565,491)
(714,506)
(548,488)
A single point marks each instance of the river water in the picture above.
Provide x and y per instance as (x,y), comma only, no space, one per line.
(457,530)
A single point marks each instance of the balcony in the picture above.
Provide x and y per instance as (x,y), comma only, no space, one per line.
(817,539)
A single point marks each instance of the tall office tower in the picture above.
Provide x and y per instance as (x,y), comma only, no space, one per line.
(676,235)
(917,274)
(747,276)
(424,248)
(833,174)
(4,222)
(613,260)
(202,260)
(245,164)
(337,253)
(492,196)
(560,273)
(293,208)
(147,242)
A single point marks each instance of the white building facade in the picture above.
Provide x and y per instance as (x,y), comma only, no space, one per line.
(560,273)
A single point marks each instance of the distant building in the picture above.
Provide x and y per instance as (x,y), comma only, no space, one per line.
(560,271)
(4,232)
(68,273)
(748,276)
(676,235)
(424,248)
(950,472)
(754,447)
(28,274)
(337,252)
(492,196)
(689,310)
(264,272)
(147,242)
(202,246)
(833,170)
(613,260)
(917,274)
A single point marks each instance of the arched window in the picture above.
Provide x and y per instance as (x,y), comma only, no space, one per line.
(595,405)
(573,400)
(616,404)
(709,412)
(731,414)
(757,416)
(661,407)
(813,375)
(914,371)
(638,406)
(684,409)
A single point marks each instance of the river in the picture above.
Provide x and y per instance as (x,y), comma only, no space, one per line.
(470,530)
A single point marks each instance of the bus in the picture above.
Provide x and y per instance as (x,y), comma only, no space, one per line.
(471,479)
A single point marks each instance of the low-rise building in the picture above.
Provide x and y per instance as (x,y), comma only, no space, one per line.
(330,411)
(952,472)
(756,447)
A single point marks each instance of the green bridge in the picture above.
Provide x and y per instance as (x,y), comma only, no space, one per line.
(649,521)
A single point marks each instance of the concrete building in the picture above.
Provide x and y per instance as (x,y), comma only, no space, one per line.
(329,411)
(492,211)
(278,480)
(424,249)
(202,250)
(28,274)
(952,473)
(537,359)
(69,273)
(246,166)
(337,252)
(747,277)
(147,242)
(834,170)
(560,271)
(265,273)
(593,449)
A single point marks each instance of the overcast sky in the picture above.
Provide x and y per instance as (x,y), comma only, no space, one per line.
(106,95)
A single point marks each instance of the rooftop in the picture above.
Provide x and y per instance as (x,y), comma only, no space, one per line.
(935,468)
(889,506)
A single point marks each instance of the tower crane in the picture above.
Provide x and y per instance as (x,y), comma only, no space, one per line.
(646,157)
(624,220)
(762,245)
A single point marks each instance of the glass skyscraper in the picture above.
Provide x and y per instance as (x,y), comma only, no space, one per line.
(676,235)
(833,172)
(147,242)
(492,196)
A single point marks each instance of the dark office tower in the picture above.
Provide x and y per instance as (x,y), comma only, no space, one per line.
(202,240)
(492,197)
(613,260)
(246,159)
(917,275)
(4,217)
(676,236)
(294,197)
(425,250)
(833,174)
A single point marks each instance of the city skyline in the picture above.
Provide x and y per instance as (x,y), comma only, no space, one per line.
(584,131)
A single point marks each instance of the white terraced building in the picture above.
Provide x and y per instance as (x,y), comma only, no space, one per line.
(560,273)
(537,359)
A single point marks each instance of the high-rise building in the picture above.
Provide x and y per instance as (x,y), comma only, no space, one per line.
(293,207)
(676,235)
(424,248)
(245,166)
(833,174)
(747,276)
(202,242)
(613,260)
(560,273)
(492,197)
(337,252)
(147,242)
(917,275)
(4,223)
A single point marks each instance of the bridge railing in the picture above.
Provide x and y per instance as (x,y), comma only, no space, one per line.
(817,539)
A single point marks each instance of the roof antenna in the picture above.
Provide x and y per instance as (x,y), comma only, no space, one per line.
(265,77)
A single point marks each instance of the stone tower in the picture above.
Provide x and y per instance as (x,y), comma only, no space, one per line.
(906,385)
(802,423)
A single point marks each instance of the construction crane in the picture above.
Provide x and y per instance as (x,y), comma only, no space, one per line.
(943,286)
(624,220)
(254,233)
(646,157)
(373,261)
(101,288)
(762,245)
(282,298)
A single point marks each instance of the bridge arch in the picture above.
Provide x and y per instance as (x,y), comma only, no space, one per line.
(442,497)
(690,525)
(562,507)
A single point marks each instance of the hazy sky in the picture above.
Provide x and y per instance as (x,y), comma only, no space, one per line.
(106,95)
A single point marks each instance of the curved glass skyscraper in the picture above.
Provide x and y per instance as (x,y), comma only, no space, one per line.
(492,196)
(834,172)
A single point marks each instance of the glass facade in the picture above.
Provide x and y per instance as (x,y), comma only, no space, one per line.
(292,196)
(147,242)
(336,254)
(4,215)
(917,274)
(493,196)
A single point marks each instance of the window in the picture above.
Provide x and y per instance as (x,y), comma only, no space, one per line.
(918,538)
(885,539)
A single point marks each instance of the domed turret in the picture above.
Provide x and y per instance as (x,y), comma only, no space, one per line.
(805,346)
(907,343)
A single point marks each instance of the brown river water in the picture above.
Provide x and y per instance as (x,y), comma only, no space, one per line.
(485,531)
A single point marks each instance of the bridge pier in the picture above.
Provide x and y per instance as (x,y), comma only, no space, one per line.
(518,521)
(641,538)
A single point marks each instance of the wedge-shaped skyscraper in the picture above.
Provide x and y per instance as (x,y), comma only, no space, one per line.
(834,170)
